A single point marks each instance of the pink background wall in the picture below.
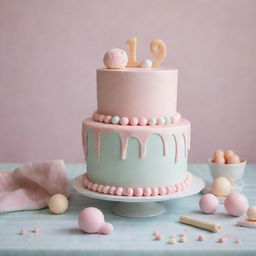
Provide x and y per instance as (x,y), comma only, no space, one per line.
(49,51)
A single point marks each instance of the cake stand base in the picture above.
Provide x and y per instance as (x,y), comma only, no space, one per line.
(144,206)
(138,210)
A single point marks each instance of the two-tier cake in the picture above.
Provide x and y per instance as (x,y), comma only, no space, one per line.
(136,143)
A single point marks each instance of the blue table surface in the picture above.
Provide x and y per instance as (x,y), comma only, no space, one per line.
(132,236)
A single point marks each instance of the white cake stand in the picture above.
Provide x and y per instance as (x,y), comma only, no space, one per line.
(139,206)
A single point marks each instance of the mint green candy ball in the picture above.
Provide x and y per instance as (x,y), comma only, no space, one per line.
(161,120)
(152,121)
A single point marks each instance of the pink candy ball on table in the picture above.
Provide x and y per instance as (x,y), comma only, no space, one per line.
(208,203)
(115,58)
(236,204)
(91,220)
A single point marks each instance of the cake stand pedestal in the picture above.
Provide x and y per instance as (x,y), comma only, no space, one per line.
(139,206)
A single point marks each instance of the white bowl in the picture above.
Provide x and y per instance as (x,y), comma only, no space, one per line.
(234,171)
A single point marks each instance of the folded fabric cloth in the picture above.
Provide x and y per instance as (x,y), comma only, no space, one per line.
(30,186)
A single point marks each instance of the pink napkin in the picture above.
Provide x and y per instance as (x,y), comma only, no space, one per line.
(30,186)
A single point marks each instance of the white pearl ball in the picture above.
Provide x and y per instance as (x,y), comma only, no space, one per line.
(58,204)
(146,64)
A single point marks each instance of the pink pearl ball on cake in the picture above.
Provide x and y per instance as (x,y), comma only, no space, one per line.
(234,159)
(162,191)
(107,119)
(115,58)
(101,118)
(106,189)
(95,116)
(124,121)
(134,121)
(208,203)
(236,204)
(112,190)
(91,220)
(138,192)
(143,121)
(154,191)
(219,160)
(119,191)
(129,192)
(100,188)
(147,191)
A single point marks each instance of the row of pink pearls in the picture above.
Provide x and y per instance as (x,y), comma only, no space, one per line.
(138,192)
(143,121)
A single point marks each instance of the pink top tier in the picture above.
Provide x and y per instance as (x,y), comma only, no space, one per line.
(137,92)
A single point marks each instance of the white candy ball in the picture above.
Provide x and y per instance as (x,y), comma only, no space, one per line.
(58,204)
(146,64)
(251,213)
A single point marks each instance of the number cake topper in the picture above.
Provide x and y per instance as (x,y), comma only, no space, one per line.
(117,58)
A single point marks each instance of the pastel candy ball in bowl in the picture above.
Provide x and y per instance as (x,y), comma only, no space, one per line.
(208,203)
(236,204)
(115,58)
(227,164)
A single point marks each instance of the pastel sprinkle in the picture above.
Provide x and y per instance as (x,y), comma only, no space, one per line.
(201,238)
(156,232)
(172,241)
(182,239)
(23,231)
(158,237)
(221,240)
(36,230)
(237,241)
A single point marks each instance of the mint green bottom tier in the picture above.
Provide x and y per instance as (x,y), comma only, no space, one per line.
(153,170)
